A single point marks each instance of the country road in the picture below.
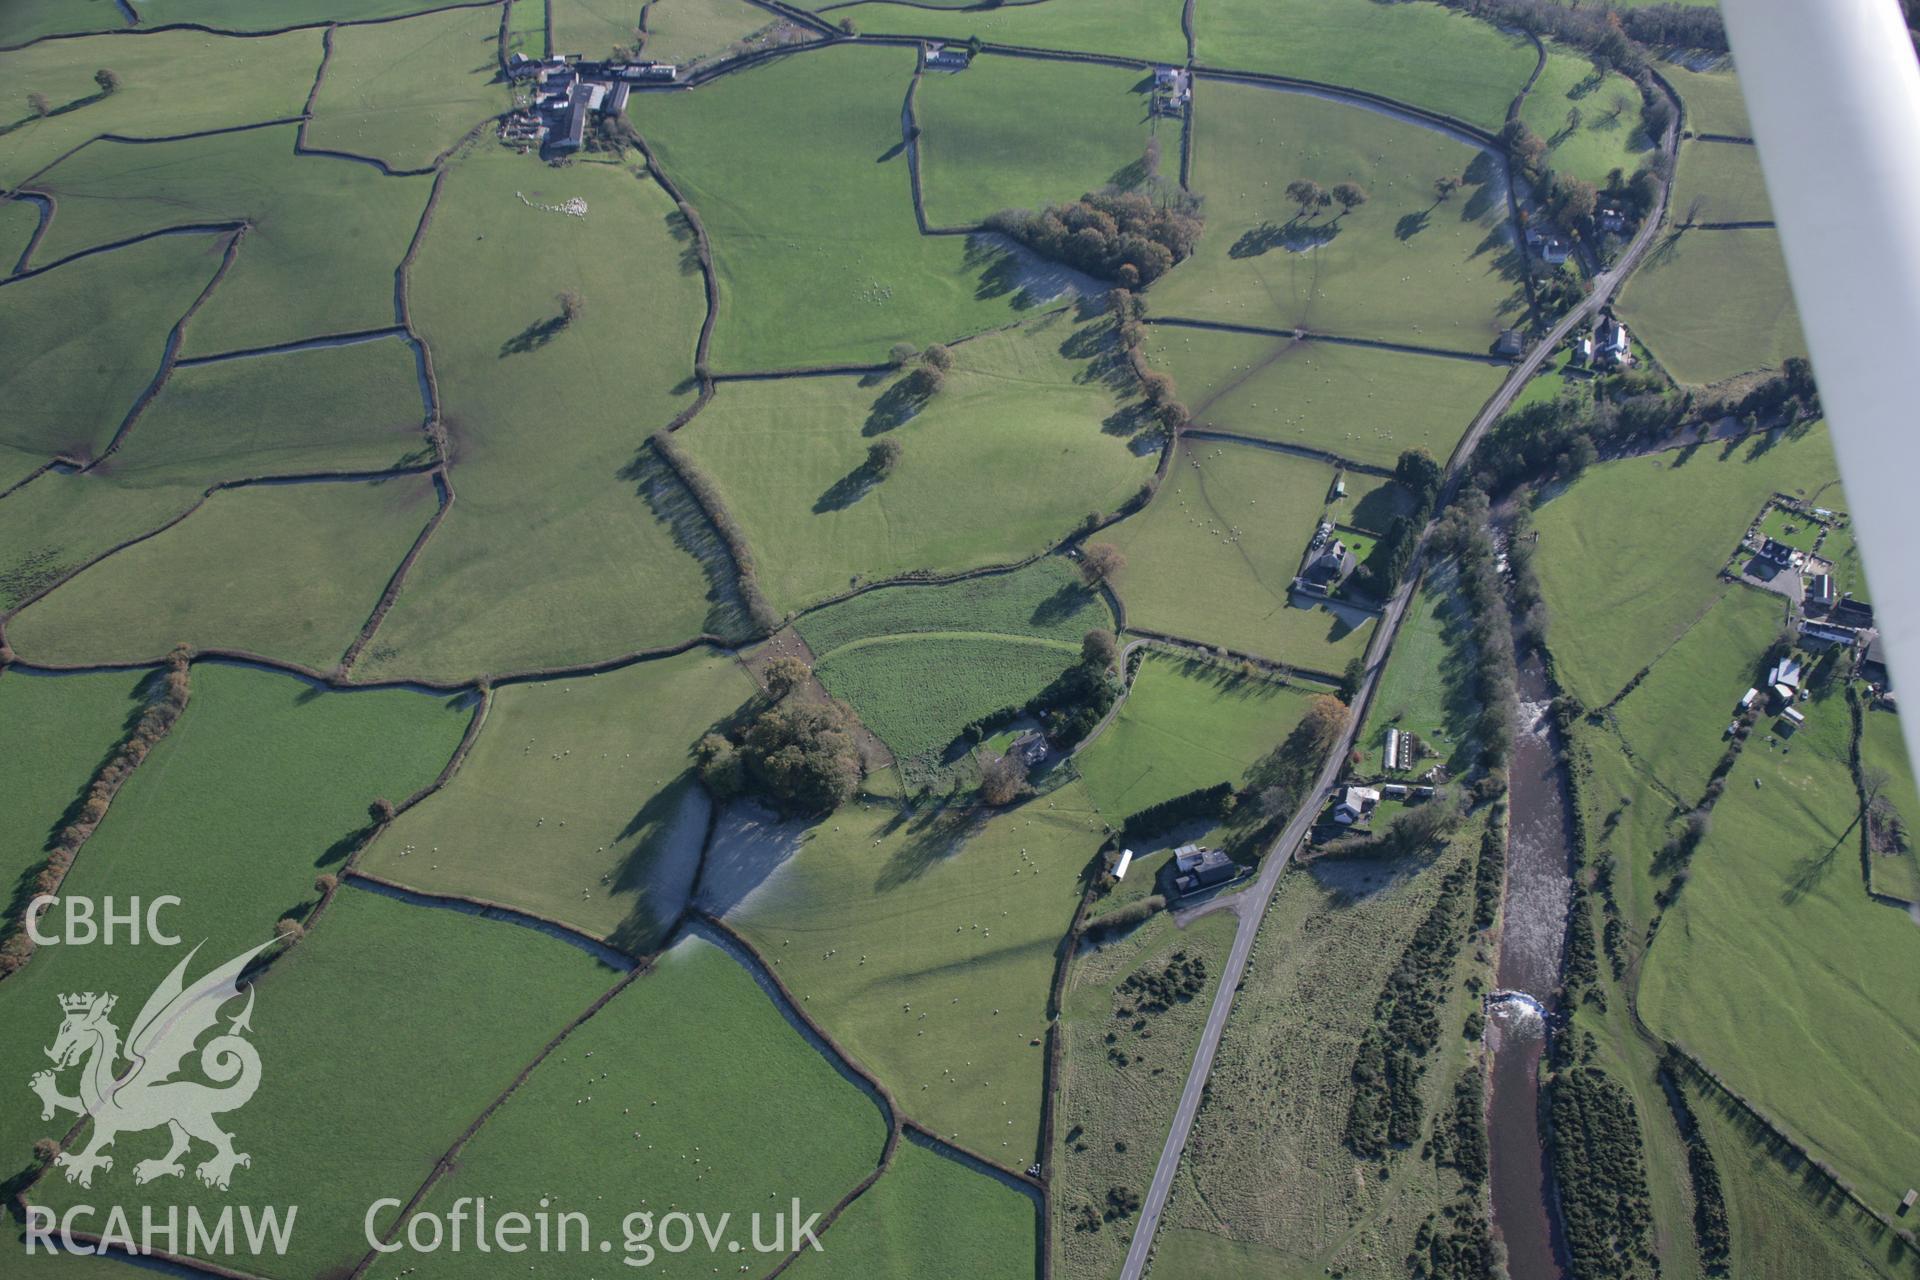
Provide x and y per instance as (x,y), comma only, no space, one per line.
(1251,903)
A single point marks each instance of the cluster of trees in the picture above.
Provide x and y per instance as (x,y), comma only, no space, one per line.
(1710,1230)
(1456,1244)
(1558,439)
(1460,1139)
(1003,780)
(1119,236)
(1213,803)
(797,754)
(1787,397)
(1490,871)
(1463,533)
(1148,992)
(1611,36)
(1386,1108)
(1280,781)
(166,697)
(1311,198)
(1386,565)
(1599,1163)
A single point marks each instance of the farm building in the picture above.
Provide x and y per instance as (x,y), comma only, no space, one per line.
(1355,804)
(1852,613)
(1120,867)
(1794,716)
(1509,343)
(1030,748)
(1873,664)
(1749,698)
(1819,592)
(946,57)
(1199,868)
(1828,633)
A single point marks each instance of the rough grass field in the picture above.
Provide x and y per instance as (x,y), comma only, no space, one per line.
(1117,1101)
(1426,687)
(403,92)
(49,772)
(570,541)
(312,217)
(1185,725)
(85,340)
(1404,266)
(924,942)
(478,999)
(1046,599)
(171,82)
(564,810)
(1421,54)
(1145,29)
(288,571)
(685,31)
(1589,119)
(930,1216)
(669,1091)
(1213,559)
(1777,970)
(191,821)
(1013,133)
(1882,747)
(1012,454)
(1359,404)
(1629,556)
(1711,304)
(1712,98)
(1720,182)
(800,176)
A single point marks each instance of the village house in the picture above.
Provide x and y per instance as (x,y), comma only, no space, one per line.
(1198,867)
(1326,569)
(1613,346)
(1172,90)
(947,57)
(1828,633)
(1775,552)
(1030,748)
(1611,219)
(1355,804)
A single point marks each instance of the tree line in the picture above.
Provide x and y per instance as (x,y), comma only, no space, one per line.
(1463,533)
(1599,1167)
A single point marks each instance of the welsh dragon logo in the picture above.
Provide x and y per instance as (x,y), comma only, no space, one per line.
(146,1094)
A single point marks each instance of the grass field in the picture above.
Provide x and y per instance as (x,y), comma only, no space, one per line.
(332,1132)
(1013,133)
(1267,1171)
(1882,747)
(685,31)
(1426,687)
(1213,559)
(31,19)
(241,15)
(1842,550)
(1185,725)
(403,92)
(595,28)
(1775,968)
(1360,404)
(289,571)
(1590,120)
(1674,723)
(1629,556)
(88,338)
(799,173)
(171,82)
(63,519)
(562,809)
(1003,463)
(932,1217)
(50,772)
(1117,1102)
(667,1097)
(925,944)
(1712,98)
(1720,182)
(1145,29)
(189,822)
(1420,54)
(1045,600)
(1402,267)
(564,515)
(312,217)
(1711,304)
(18,220)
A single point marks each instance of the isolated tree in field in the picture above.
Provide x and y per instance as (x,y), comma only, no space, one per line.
(785,674)
(926,381)
(1306,193)
(902,354)
(44,1150)
(883,456)
(1443,188)
(381,810)
(38,104)
(572,305)
(1099,648)
(1002,780)
(1617,106)
(107,80)
(289,931)
(326,882)
(1099,562)
(938,356)
(1350,196)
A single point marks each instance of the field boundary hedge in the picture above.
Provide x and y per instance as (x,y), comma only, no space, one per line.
(302,148)
(44,204)
(910,138)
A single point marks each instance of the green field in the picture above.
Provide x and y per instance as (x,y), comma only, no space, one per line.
(290,572)
(49,774)
(1426,688)
(686,31)
(1184,725)
(1360,404)
(1629,556)
(312,217)
(403,92)
(1213,559)
(1849,566)
(564,810)
(1045,600)
(924,943)
(332,1132)
(932,1217)
(564,515)
(1788,527)
(86,339)
(191,822)
(1402,267)
(1711,304)
(595,28)
(171,82)
(799,173)
(664,1096)
(1013,133)
(1712,98)
(1720,182)
(1145,29)
(1590,120)
(1002,464)
(243,15)
(1775,968)
(1420,54)
(62,520)
(31,19)
(1117,1102)
(1881,747)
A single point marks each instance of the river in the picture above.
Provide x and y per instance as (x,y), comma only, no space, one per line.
(1532,939)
